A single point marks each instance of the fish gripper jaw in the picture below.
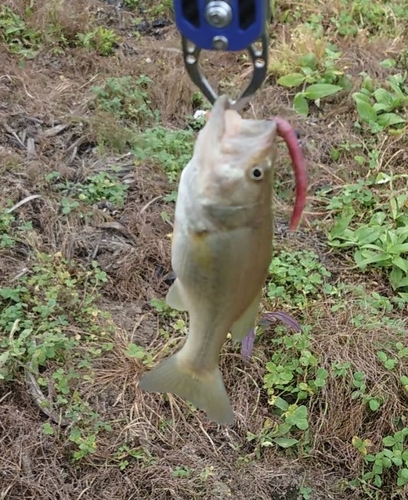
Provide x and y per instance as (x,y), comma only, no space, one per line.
(229,26)
(259,58)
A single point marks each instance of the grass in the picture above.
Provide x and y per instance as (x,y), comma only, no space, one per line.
(97,125)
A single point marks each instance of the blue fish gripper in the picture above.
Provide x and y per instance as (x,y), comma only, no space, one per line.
(224,25)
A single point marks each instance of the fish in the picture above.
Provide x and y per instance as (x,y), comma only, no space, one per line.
(220,253)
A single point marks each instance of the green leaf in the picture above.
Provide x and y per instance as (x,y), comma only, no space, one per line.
(377,480)
(300,104)
(359,376)
(48,429)
(322,373)
(378,467)
(309,60)
(359,96)
(388,63)
(285,442)
(365,257)
(302,425)
(386,119)
(365,111)
(382,356)
(401,283)
(338,229)
(135,351)
(390,364)
(366,234)
(383,97)
(320,90)
(292,80)
(299,418)
(388,441)
(401,263)
(395,87)
(281,404)
(379,107)
(404,473)
(395,278)
(374,404)
(403,248)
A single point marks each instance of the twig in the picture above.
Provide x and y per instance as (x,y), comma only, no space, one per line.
(40,400)
(150,203)
(22,202)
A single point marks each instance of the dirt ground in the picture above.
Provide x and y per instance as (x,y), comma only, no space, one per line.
(156,446)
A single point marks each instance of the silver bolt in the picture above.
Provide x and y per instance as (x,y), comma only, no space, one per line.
(220,43)
(218,13)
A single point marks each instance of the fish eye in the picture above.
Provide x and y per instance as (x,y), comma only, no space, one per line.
(256,173)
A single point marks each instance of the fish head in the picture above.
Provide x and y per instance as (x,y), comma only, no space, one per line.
(234,158)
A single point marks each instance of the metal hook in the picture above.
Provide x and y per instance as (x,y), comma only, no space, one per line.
(259,58)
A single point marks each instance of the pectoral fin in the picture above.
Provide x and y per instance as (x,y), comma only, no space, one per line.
(174,297)
(246,322)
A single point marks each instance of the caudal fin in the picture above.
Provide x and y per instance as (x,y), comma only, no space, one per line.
(206,392)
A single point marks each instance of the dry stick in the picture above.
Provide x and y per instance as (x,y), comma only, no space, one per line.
(4,397)
(40,400)
(22,202)
(143,209)
(13,133)
(10,78)
(119,227)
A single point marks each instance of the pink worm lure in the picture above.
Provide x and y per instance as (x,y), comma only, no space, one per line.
(288,134)
(286,131)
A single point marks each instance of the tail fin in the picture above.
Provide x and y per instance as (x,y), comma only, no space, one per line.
(206,392)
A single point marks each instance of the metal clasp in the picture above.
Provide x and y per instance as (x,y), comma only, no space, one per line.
(259,58)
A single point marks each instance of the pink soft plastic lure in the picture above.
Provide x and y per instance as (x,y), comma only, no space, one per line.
(288,134)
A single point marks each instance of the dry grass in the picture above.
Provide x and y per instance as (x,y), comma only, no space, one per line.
(49,123)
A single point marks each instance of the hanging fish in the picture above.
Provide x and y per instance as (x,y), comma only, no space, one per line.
(221,249)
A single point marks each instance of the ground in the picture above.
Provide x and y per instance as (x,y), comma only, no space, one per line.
(96,120)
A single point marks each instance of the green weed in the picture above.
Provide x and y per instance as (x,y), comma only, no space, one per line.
(20,39)
(181,472)
(137,352)
(47,316)
(393,456)
(352,17)
(27,42)
(376,107)
(379,240)
(128,98)
(100,39)
(150,9)
(171,149)
(296,278)
(96,188)
(126,455)
(36,311)
(318,79)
